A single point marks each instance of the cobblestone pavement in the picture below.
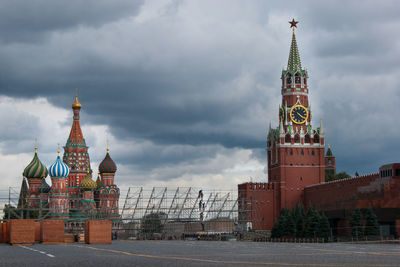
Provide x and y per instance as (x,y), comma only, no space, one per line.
(200,253)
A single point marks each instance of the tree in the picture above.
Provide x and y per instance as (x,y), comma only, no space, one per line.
(299,217)
(289,225)
(152,223)
(312,222)
(336,176)
(284,226)
(324,228)
(276,231)
(371,223)
(356,223)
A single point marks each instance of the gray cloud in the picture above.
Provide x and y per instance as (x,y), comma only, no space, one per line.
(196,77)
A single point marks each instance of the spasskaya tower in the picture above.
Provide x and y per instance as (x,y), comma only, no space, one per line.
(295,149)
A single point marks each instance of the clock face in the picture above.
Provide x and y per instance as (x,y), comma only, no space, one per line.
(299,114)
(281,114)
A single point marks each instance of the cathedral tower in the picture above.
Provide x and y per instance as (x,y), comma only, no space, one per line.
(76,157)
(58,202)
(295,149)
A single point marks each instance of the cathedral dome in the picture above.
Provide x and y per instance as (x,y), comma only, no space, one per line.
(44,187)
(107,165)
(35,169)
(88,183)
(58,168)
(76,103)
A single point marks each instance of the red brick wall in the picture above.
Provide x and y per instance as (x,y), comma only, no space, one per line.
(335,195)
(97,231)
(52,231)
(37,231)
(22,231)
(257,204)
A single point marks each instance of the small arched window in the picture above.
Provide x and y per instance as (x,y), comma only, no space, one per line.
(287,138)
(297,138)
(307,138)
(316,138)
(329,162)
(289,79)
(297,78)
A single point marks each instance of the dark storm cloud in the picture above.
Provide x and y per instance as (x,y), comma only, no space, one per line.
(201,74)
(30,21)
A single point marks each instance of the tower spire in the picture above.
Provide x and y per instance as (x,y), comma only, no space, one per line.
(294,63)
(76,136)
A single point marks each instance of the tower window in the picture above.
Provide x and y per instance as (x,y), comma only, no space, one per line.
(302,152)
(287,138)
(312,153)
(291,152)
(297,78)
(329,162)
(289,79)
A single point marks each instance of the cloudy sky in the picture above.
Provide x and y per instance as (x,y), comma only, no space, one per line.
(185,90)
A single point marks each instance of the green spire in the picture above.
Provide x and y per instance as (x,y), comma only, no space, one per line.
(294,63)
(329,152)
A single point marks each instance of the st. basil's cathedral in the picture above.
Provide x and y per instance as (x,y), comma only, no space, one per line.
(73,194)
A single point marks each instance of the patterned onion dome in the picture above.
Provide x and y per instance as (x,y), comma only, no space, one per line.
(107,165)
(88,183)
(44,187)
(35,169)
(58,168)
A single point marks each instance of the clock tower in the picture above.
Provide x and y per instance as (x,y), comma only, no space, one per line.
(295,149)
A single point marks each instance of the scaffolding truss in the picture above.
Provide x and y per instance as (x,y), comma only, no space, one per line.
(182,204)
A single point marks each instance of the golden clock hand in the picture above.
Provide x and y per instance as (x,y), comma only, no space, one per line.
(301,116)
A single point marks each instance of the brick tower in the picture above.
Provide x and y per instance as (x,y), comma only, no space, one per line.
(108,192)
(295,149)
(35,173)
(76,157)
(58,200)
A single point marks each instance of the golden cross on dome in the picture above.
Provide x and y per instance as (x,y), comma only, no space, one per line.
(293,24)
(108,143)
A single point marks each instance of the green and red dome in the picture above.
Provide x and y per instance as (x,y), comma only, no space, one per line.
(35,169)
(107,165)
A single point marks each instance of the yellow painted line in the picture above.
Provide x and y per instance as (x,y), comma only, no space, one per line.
(216,261)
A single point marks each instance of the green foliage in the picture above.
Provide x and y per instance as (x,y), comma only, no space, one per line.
(336,176)
(152,223)
(16,213)
(356,223)
(299,217)
(312,222)
(276,231)
(371,223)
(324,229)
(297,223)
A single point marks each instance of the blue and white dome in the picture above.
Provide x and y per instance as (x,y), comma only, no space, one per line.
(58,168)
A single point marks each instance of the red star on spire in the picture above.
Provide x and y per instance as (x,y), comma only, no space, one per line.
(293,23)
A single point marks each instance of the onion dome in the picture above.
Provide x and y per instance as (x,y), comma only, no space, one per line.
(58,168)
(88,183)
(44,187)
(76,103)
(35,169)
(107,165)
